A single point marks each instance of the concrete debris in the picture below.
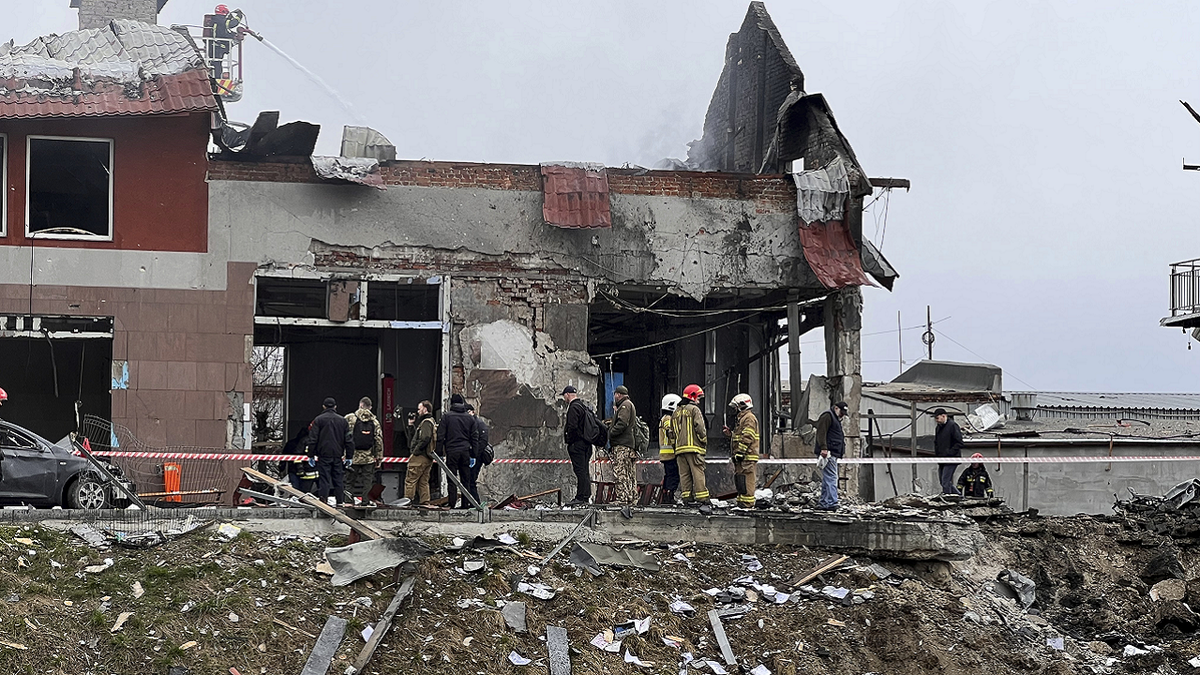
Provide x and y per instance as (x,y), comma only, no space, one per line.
(514,616)
(326,648)
(518,660)
(1169,589)
(228,531)
(1022,586)
(91,535)
(559,649)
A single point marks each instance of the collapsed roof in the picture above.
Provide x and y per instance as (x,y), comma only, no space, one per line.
(126,68)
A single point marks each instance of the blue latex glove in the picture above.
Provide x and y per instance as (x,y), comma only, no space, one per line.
(346,463)
(472,464)
(312,461)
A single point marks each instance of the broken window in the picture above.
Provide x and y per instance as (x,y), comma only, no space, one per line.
(296,298)
(268,362)
(402,301)
(69,185)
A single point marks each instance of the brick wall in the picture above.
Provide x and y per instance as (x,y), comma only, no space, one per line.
(186,349)
(776,191)
(98,13)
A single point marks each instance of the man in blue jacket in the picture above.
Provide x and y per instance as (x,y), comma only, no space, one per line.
(830,444)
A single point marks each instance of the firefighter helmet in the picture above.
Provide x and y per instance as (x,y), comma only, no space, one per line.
(693,392)
(670,402)
(222,9)
(742,402)
(3,396)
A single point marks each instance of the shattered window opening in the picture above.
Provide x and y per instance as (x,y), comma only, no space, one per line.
(288,297)
(399,301)
(69,188)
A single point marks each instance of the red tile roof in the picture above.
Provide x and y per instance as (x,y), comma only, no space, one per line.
(575,197)
(190,91)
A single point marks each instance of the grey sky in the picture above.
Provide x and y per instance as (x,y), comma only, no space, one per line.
(1043,140)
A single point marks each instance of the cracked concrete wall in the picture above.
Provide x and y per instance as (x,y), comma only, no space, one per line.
(696,245)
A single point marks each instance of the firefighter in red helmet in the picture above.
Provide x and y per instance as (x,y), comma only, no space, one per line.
(691,442)
(3,396)
(226,31)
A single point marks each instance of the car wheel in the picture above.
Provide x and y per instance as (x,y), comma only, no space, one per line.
(87,492)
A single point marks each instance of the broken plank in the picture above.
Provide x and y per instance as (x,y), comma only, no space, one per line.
(557,492)
(363,529)
(326,647)
(560,651)
(381,628)
(271,498)
(283,624)
(719,631)
(820,569)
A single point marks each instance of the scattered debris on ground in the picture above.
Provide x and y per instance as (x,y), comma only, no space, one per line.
(1044,595)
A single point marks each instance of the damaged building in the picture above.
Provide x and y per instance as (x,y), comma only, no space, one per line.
(402,280)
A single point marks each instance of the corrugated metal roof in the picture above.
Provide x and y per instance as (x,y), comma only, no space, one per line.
(1124,401)
(128,68)
(575,196)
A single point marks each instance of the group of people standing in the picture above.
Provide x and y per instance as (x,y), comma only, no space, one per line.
(682,442)
(344,453)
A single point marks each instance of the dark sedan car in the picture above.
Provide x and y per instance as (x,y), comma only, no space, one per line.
(36,472)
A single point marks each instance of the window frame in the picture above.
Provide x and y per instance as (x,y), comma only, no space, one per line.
(4,183)
(29,169)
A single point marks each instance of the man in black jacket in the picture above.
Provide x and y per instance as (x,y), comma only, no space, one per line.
(329,439)
(831,445)
(947,442)
(455,434)
(479,444)
(578,449)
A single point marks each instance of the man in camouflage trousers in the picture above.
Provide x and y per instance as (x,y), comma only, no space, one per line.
(620,436)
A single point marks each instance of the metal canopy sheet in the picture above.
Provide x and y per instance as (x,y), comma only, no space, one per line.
(360,170)
(575,196)
(832,255)
(368,557)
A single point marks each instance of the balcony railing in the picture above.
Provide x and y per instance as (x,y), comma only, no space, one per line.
(1185,288)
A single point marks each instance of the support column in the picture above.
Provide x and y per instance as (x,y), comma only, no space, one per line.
(795,381)
(843,368)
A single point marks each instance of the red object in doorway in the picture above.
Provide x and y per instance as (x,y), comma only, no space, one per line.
(388,408)
(832,255)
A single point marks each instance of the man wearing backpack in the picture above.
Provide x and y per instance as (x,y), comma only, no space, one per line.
(576,434)
(368,450)
(691,443)
(621,430)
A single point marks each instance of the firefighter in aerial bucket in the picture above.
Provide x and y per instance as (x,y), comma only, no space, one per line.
(227,29)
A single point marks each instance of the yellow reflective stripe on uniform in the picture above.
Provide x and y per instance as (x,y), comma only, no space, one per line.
(666,444)
(701,495)
(685,433)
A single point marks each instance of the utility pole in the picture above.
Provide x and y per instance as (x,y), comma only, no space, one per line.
(928,337)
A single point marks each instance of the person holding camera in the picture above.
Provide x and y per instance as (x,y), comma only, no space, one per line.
(421,445)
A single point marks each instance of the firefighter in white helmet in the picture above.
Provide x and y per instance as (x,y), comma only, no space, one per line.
(666,450)
(743,446)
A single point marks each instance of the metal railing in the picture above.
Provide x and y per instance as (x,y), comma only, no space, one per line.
(1185,288)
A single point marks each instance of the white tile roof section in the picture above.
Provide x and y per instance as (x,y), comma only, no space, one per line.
(124,47)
